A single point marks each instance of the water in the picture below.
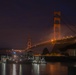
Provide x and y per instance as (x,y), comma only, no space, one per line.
(54,68)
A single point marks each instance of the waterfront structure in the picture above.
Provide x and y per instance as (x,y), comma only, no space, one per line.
(71,52)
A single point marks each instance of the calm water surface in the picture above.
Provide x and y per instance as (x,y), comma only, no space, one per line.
(55,68)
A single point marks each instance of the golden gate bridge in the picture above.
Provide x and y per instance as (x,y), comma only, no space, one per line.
(57,39)
(57,42)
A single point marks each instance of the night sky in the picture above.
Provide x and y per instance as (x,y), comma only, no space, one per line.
(21,18)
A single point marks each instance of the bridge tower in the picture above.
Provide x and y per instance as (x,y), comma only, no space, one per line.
(57,18)
(29,43)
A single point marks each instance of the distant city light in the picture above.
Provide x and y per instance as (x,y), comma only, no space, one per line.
(14,52)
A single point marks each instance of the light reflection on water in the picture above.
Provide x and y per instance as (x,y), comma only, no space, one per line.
(20,70)
(37,69)
(56,69)
(3,69)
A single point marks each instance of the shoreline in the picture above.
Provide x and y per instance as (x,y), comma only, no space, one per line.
(60,58)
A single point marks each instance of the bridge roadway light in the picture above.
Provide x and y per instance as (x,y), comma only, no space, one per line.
(67,37)
(71,36)
(20,51)
(52,40)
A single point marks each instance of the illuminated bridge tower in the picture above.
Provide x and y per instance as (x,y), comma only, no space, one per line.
(29,43)
(57,18)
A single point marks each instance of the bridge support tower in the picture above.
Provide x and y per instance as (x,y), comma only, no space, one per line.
(57,19)
(29,43)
